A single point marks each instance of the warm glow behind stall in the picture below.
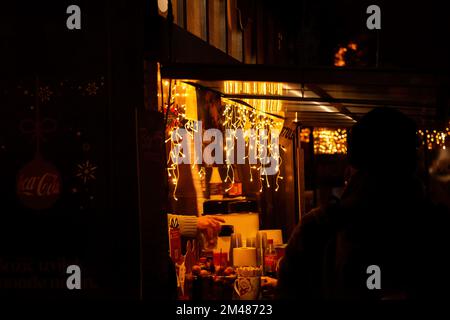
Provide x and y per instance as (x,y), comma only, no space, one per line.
(315,106)
(311,111)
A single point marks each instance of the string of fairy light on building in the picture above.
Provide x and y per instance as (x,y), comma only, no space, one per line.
(334,141)
(257,120)
(258,89)
(256,124)
(253,121)
(330,141)
(434,139)
(176,115)
(258,128)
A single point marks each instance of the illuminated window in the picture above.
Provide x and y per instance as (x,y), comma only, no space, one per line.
(234,31)
(178,12)
(196,17)
(217,23)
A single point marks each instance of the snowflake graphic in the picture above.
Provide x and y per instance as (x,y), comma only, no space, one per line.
(45,93)
(91,89)
(86,171)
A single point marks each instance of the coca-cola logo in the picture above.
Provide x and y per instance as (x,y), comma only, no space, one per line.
(44,185)
(38,185)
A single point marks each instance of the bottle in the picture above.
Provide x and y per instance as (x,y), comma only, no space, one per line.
(235,189)
(270,260)
(221,253)
(215,185)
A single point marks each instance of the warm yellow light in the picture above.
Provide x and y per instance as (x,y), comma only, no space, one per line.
(257,88)
(330,141)
(434,138)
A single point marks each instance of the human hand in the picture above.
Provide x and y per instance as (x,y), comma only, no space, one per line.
(269,286)
(210,226)
(268,282)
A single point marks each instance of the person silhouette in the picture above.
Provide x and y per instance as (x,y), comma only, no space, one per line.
(383,219)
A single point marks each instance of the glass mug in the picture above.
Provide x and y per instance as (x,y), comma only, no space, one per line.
(208,244)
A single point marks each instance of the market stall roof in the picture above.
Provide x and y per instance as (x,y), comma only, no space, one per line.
(333,97)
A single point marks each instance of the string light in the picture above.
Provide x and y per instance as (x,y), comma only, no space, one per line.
(434,139)
(257,88)
(334,141)
(330,141)
(202,172)
(255,124)
(176,116)
(304,135)
(340,57)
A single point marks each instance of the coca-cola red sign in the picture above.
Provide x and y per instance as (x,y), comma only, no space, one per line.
(38,184)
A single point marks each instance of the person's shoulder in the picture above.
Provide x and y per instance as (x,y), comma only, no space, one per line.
(323,215)
(312,219)
(315,220)
(313,229)
(312,215)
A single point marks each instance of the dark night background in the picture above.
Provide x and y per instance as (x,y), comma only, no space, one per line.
(412,35)
(93,224)
(97,225)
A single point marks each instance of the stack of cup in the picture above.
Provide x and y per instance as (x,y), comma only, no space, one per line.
(236,242)
(261,245)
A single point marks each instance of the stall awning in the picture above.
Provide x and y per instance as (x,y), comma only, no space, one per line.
(331,97)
